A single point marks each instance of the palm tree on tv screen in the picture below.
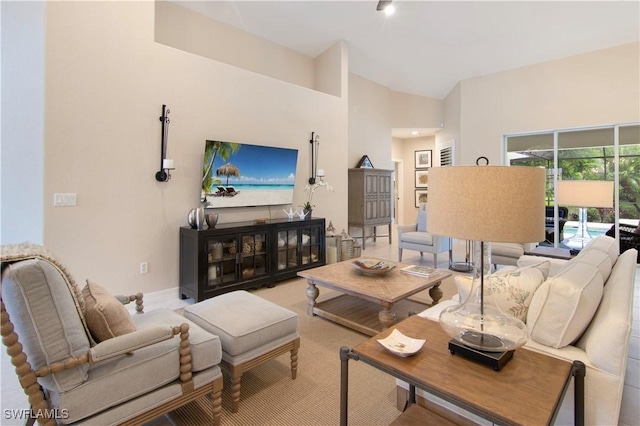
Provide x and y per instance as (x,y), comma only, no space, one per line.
(212,150)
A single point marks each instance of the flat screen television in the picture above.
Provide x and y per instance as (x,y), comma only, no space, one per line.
(242,175)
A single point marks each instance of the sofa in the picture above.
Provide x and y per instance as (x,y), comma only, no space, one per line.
(581,310)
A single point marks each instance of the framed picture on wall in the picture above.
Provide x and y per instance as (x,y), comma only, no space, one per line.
(422,178)
(421,196)
(423,159)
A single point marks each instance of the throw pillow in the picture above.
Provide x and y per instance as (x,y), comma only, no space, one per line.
(512,289)
(106,316)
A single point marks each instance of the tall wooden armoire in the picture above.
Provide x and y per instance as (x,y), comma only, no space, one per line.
(370,200)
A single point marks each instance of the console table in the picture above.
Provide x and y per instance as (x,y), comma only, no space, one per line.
(243,255)
(527,391)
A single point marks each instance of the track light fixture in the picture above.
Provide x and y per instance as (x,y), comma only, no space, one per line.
(386,6)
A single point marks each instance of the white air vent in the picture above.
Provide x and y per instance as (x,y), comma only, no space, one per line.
(446,152)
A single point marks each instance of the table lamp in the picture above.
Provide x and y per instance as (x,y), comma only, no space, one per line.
(485,204)
(583,194)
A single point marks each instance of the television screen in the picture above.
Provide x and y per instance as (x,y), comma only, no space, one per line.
(240,175)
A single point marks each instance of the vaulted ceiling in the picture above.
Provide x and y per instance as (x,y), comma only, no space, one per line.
(426,47)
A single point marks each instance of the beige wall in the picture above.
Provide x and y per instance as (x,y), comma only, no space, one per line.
(451,129)
(369,122)
(600,87)
(192,32)
(106,81)
(415,111)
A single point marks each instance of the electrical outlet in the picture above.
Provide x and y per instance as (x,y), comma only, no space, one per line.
(144,267)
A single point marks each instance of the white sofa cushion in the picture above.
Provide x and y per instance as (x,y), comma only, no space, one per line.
(597,258)
(563,306)
(510,288)
(604,244)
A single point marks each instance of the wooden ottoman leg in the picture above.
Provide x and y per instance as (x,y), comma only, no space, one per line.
(236,378)
(294,358)
(216,401)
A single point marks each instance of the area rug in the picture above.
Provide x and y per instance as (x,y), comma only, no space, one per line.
(270,397)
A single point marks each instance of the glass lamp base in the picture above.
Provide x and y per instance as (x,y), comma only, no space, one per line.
(482,340)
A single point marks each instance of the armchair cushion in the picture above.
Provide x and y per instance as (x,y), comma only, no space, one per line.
(421,238)
(41,307)
(140,371)
(106,316)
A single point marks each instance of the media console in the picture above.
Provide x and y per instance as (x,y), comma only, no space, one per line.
(242,255)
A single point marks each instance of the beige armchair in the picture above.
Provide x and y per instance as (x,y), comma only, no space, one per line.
(81,358)
(509,253)
(415,237)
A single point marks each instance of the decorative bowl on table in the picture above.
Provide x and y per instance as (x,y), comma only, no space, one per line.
(372,266)
(401,345)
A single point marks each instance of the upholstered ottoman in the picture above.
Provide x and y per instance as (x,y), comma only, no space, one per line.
(251,330)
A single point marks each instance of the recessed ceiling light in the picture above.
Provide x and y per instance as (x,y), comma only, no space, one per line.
(389,10)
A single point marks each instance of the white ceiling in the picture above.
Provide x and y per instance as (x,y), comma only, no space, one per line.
(426,47)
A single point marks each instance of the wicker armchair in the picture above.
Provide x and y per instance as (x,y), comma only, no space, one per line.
(629,237)
(72,374)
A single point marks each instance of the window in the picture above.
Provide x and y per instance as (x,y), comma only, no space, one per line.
(609,153)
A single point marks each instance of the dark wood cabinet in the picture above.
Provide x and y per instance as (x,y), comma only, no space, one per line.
(370,200)
(245,255)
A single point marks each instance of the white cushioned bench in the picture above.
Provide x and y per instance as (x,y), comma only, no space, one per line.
(251,331)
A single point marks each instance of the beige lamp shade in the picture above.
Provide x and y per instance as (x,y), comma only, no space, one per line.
(487,203)
(583,193)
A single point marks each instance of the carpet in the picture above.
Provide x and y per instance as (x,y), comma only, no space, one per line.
(270,397)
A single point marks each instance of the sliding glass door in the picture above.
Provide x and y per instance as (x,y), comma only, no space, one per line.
(604,153)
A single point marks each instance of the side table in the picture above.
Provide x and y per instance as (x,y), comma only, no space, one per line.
(530,376)
(551,252)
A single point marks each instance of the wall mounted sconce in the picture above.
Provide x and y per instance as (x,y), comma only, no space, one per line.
(315,145)
(166,165)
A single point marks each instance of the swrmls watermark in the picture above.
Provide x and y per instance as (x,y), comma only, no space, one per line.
(27,413)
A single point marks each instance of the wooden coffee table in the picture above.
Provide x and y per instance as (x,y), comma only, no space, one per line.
(527,391)
(368,304)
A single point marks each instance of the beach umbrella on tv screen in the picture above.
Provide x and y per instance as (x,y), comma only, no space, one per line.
(228,170)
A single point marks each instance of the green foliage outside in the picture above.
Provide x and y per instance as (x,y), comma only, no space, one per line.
(597,164)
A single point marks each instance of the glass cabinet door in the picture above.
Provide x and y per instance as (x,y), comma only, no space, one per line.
(287,249)
(253,255)
(221,254)
(310,245)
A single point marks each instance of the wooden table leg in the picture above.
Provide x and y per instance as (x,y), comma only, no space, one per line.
(436,293)
(364,237)
(312,295)
(386,317)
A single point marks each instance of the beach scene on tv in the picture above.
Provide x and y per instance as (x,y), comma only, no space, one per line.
(241,175)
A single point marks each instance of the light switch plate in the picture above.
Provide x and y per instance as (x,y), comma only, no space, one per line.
(64,199)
